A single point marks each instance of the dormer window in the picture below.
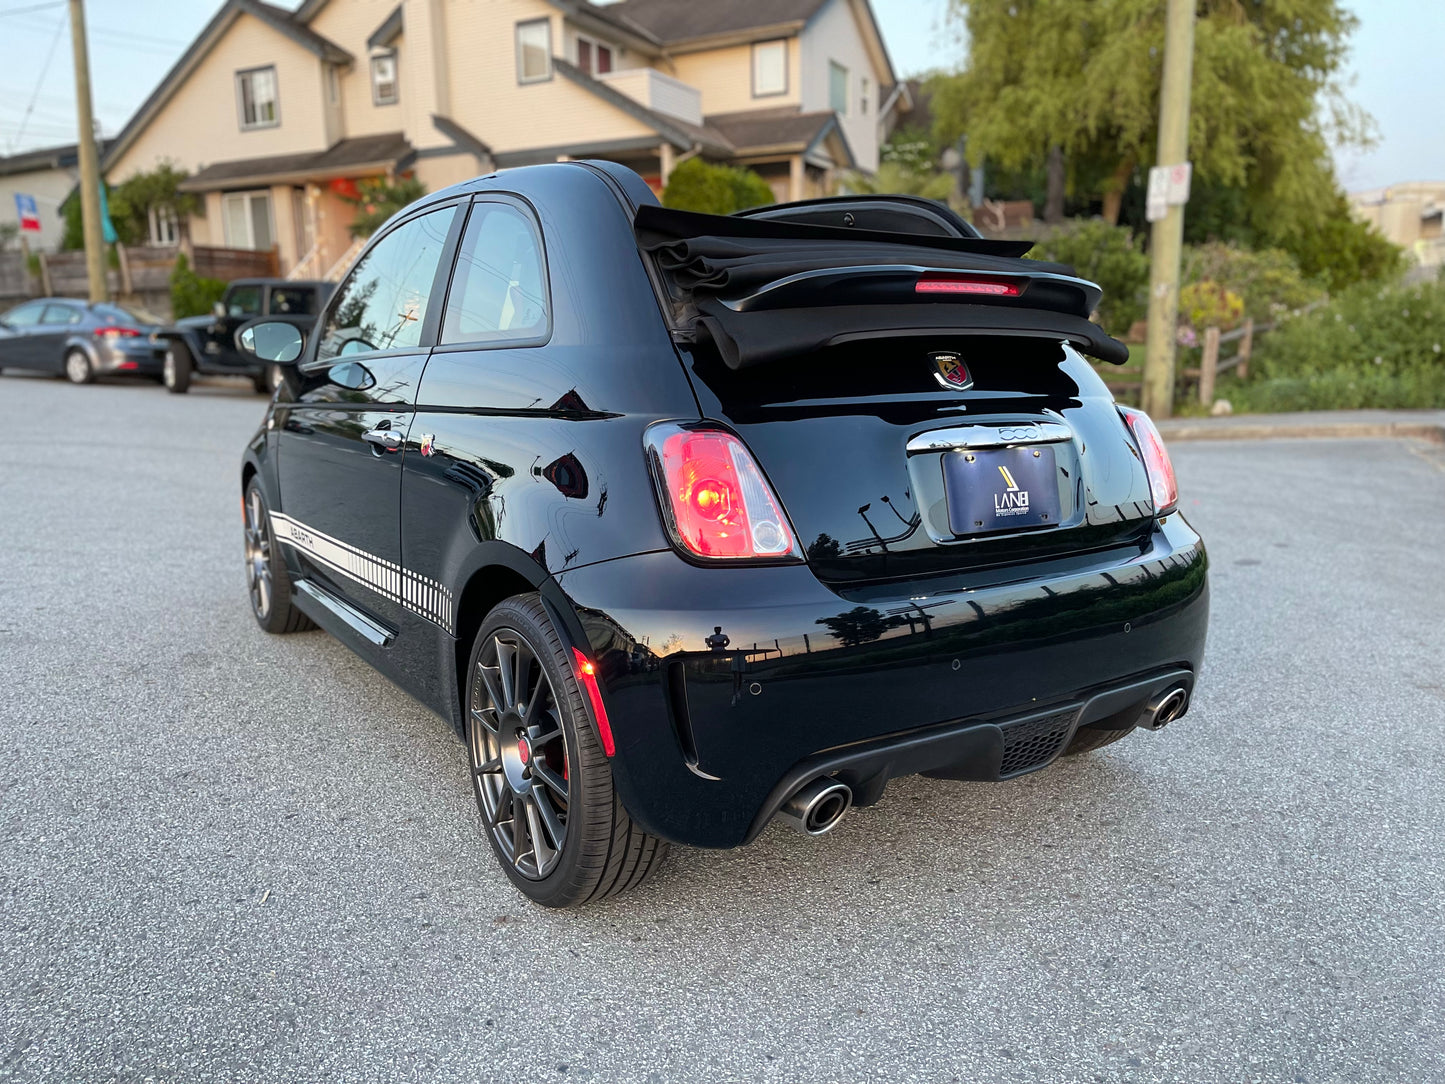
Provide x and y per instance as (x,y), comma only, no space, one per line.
(385,90)
(593,57)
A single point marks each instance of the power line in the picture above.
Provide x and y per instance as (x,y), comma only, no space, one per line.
(32,7)
(44,71)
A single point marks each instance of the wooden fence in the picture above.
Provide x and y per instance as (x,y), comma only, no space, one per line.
(141,274)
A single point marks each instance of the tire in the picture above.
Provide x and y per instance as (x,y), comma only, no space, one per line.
(1088,738)
(177,369)
(525,713)
(267,581)
(78,369)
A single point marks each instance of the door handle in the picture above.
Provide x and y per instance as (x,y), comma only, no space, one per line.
(384,438)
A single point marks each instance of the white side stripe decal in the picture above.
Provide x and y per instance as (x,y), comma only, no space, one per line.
(419,594)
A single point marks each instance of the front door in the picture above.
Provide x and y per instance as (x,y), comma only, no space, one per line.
(18,347)
(341,441)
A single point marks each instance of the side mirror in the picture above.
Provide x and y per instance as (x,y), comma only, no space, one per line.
(218,309)
(276,341)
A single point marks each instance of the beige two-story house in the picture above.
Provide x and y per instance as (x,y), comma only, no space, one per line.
(277,114)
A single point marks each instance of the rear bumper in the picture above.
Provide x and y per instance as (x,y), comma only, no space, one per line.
(728,687)
(137,360)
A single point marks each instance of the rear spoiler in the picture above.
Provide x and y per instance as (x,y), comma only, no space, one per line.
(765,289)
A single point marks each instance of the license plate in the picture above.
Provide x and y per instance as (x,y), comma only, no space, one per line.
(1001,489)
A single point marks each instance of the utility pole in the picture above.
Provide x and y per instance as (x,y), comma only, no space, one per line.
(89,158)
(1166,239)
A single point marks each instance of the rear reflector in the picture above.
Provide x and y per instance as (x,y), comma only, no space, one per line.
(127,365)
(1162,483)
(587,678)
(959,284)
(715,498)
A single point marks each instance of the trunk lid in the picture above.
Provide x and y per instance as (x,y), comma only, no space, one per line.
(855,439)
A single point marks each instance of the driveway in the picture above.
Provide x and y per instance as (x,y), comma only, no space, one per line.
(232,857)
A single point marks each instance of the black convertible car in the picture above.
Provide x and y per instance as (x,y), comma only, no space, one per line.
(690,522)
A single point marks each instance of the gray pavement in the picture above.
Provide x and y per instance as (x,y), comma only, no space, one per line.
(231,857)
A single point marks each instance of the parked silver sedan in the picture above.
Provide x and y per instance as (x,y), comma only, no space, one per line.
(81,340)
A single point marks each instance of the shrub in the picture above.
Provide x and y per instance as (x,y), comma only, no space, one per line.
(1373,346)
(1210,304)
(192,295)
(696,185)
(1268,279)
(1107,255)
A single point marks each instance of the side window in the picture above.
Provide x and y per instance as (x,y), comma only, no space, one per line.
(293,301)
(24,315)
(382,304)
(244,301)
(60,314)
(499,289)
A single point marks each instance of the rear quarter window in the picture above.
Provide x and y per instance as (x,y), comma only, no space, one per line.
(499,289)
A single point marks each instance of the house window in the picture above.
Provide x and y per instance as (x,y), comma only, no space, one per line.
(865,97)
(333,84)
(165,225)
(256,90)
(770,68)
(534,51)
(246,218)
(593,57)
(384,88)
(837,87)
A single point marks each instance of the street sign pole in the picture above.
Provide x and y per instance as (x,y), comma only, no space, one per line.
(1166,238)
(89,158)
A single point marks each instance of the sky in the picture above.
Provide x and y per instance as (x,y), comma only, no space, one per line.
(1394,70)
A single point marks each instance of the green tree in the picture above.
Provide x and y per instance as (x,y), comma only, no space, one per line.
(377,200)
(1084,76)
(131,203)
(696,185)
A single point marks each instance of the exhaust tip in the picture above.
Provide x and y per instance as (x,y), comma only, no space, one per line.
(1167,707)
(817,807)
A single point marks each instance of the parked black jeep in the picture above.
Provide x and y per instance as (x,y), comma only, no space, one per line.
(206,344)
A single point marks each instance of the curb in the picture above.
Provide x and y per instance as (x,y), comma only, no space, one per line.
(1178,431)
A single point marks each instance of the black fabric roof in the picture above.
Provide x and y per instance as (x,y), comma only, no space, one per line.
(709,258)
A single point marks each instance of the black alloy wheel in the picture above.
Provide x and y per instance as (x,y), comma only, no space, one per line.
(267,580)
(541,779)
(519,753)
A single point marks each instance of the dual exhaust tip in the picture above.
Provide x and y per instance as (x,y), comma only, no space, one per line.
(816,808)
(1165,708)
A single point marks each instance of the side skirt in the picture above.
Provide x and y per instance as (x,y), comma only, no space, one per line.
(337,616)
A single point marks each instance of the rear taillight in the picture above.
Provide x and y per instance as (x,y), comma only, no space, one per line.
(116,333)
(1156,459)
(714,498)
(967,284)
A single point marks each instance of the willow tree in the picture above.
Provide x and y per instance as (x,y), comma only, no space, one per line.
(1081,78)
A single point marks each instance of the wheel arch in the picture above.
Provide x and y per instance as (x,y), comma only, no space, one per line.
(497,572)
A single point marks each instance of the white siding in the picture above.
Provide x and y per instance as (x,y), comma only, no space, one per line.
(835,35)
(650,87)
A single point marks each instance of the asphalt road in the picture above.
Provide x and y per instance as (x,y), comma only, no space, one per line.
(231,857)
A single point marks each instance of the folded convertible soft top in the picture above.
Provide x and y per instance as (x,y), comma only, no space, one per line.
(765,289)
